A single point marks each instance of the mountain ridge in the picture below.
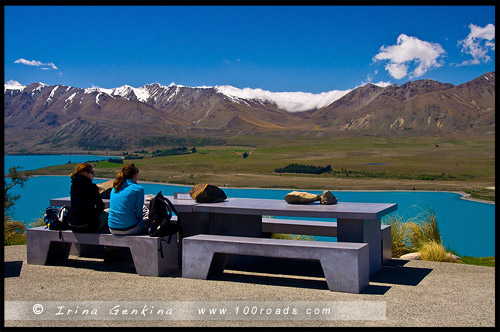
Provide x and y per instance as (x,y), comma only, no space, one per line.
(39,116)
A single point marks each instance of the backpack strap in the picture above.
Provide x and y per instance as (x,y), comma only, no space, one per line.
(60,217)
(171,205)
(169,238)
(161,248)
(172,209)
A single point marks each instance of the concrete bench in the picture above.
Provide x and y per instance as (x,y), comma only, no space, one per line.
(44,247)
(345,265)
(321,228)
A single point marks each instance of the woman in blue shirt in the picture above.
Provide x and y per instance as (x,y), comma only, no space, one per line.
(126,202)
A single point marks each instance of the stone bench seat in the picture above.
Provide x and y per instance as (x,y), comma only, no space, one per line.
(44,246)
(345,265)
(321,228)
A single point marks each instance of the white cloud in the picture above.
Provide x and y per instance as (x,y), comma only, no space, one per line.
(369,80)
(36,63)
(382,84)
(232,61)
(13,85)
(478,43)
(410,50)
(397,70)
(290,101)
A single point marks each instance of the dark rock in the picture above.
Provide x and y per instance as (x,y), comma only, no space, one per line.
(328,198)
(207,193)
(105,189)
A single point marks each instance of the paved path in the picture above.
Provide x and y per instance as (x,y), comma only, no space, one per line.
(415,293)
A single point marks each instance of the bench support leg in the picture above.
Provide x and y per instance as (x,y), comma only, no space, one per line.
(148,261)
(386,245)
(363,231)
(41,252)
(347,272)
(208,269)
(198,262)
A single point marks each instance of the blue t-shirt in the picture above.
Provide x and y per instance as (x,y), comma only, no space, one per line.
(125,206)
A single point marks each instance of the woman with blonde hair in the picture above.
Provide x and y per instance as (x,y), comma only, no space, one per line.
(126,203)
(87,208)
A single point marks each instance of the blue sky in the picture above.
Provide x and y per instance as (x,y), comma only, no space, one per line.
(276,48)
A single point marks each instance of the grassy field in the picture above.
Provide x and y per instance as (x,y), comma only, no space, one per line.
(361,163)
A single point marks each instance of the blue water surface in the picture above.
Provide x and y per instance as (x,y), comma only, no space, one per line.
(468,227)
(31,162)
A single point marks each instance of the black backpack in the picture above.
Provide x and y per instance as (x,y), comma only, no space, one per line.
(57,218)
(160,222)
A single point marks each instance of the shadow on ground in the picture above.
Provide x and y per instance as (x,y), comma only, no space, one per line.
(265,271)
(12,269)
(394,272)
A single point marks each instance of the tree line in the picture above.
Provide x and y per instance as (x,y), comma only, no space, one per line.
(306,169)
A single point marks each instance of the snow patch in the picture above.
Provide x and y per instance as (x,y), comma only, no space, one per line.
(173,94)
(98,89)
(38,88)
(70,98)
(142,94)
(52,94)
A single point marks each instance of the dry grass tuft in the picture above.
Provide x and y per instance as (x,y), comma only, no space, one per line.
(418,234)
(292,237)
(432,251)
(400,243)
(423,229)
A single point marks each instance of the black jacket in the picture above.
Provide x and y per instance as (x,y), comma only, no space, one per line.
(86,202)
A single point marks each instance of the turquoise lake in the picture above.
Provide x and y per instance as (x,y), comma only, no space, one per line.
(468,227)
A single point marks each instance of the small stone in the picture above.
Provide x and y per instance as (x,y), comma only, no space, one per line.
(451,258)
(328,198)
(105,189)
(207,193)
(301,197)
(412,256)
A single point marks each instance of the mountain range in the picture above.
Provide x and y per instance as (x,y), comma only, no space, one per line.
(40,117)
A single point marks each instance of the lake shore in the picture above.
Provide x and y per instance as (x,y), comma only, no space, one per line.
(357,163)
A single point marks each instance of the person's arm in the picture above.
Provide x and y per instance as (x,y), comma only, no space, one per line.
(139,202)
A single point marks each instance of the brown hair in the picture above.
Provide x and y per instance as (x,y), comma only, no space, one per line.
(128,172)
(82,168)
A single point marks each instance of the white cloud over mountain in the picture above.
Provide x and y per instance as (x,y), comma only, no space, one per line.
(36,64)
(289,101)
(425,55)
(13,85)
(478,43)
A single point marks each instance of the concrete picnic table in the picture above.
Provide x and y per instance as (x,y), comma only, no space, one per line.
(356,222)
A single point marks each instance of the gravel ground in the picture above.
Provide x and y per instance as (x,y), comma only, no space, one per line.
(415,293)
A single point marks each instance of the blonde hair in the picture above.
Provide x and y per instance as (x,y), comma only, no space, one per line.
(81,168)
(128,172)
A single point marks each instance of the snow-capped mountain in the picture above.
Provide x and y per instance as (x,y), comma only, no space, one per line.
(53,115)
(289,101)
